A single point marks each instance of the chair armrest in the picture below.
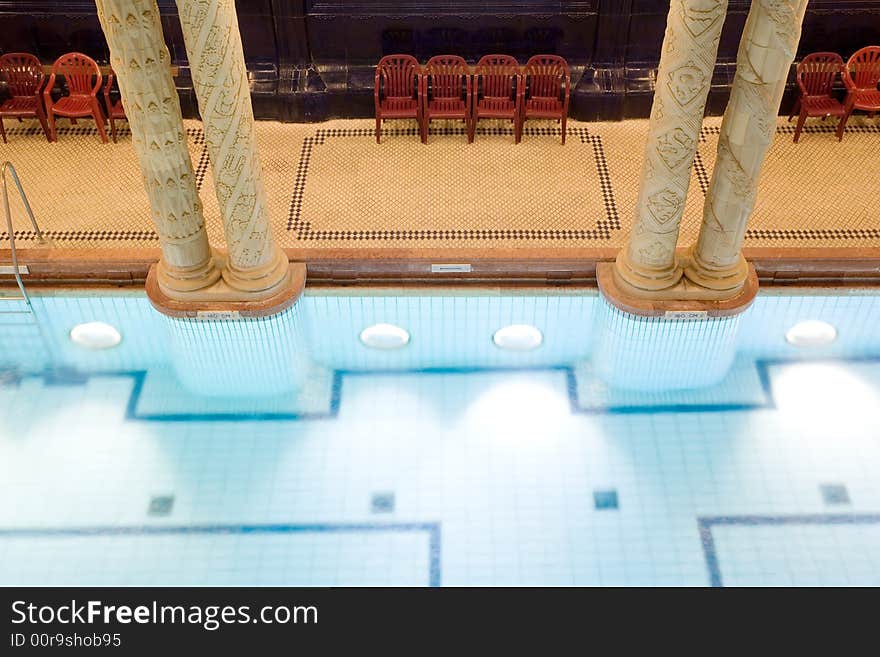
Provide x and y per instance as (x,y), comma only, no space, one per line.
(846,76)
(99,80)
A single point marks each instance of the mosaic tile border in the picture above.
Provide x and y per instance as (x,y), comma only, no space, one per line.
(196,134)
(763,366)
(432,529)
(304,230)
(817,234)
(707,539)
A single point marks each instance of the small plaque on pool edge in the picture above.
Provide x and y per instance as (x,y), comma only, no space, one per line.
(217,315)
(686,315)
(450,269)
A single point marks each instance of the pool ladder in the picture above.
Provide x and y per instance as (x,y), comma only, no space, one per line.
(18,322)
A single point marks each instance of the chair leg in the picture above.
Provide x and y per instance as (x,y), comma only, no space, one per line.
(423,129)
(53,133)
(517,130)
(470,130)
(99,121)
(795,110)
(842,127)
(2,131)
(41,117)
(378,130)
(113,128)
(802,119)
(564,121)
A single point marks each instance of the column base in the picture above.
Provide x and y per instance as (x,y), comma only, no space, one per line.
(258,280)
(648,280)
(220,301)
(176,280)
(685,300)
(719,280)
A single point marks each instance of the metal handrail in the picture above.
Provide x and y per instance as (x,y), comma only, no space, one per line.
(7,166)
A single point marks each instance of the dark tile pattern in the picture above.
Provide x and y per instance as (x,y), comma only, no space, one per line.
(304,230)
(834,494)
(161,506)
(605,500)
(382,502)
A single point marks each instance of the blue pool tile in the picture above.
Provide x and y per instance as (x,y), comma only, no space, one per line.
(382,502)
(161,505)
(834,494)
(605,500)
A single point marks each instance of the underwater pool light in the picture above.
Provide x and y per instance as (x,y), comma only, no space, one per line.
(384,336)
(518,337)
(95,335)
(811,333)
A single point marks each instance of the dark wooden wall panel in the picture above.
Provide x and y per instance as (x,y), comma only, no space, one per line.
(313,59)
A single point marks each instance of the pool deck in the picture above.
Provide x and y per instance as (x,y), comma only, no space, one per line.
(356,212)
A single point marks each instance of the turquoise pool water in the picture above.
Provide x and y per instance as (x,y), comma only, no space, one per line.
(316,460)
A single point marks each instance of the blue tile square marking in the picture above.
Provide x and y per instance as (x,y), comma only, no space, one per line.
(834,494)
(161,505)
(605,500)
(382,503)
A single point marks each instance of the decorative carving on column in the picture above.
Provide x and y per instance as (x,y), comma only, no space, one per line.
(768,48)
(684,78)
(213,43)
(141,62)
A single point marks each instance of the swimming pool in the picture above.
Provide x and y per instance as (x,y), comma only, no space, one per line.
(449,461)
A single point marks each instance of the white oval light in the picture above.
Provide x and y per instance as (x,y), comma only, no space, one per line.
(384,336)
(518,337)
(95,335)
(811,333)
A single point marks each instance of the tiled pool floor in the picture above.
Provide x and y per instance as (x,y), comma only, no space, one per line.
(486,478)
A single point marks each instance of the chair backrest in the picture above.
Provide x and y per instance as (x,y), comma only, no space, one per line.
(547,76)
(23,73)
(817,72)
(397,76)
(111,76)
(447,74)
(82,74)
(496,75)
(863,68)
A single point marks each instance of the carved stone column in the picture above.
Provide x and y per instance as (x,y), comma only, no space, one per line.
(141,62)
(769,45)
(684,78)
(255,263)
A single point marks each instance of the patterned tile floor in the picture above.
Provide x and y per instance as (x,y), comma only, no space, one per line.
(331,186)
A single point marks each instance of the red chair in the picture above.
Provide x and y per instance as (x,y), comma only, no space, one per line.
(861,75)
(546,89)
(496,92)
(446,92)
(815,77)
(24,77)
(83,79)
(398,89)
(115,111)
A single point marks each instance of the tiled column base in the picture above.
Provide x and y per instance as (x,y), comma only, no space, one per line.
(665,344)
(221,301)
(240,357)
